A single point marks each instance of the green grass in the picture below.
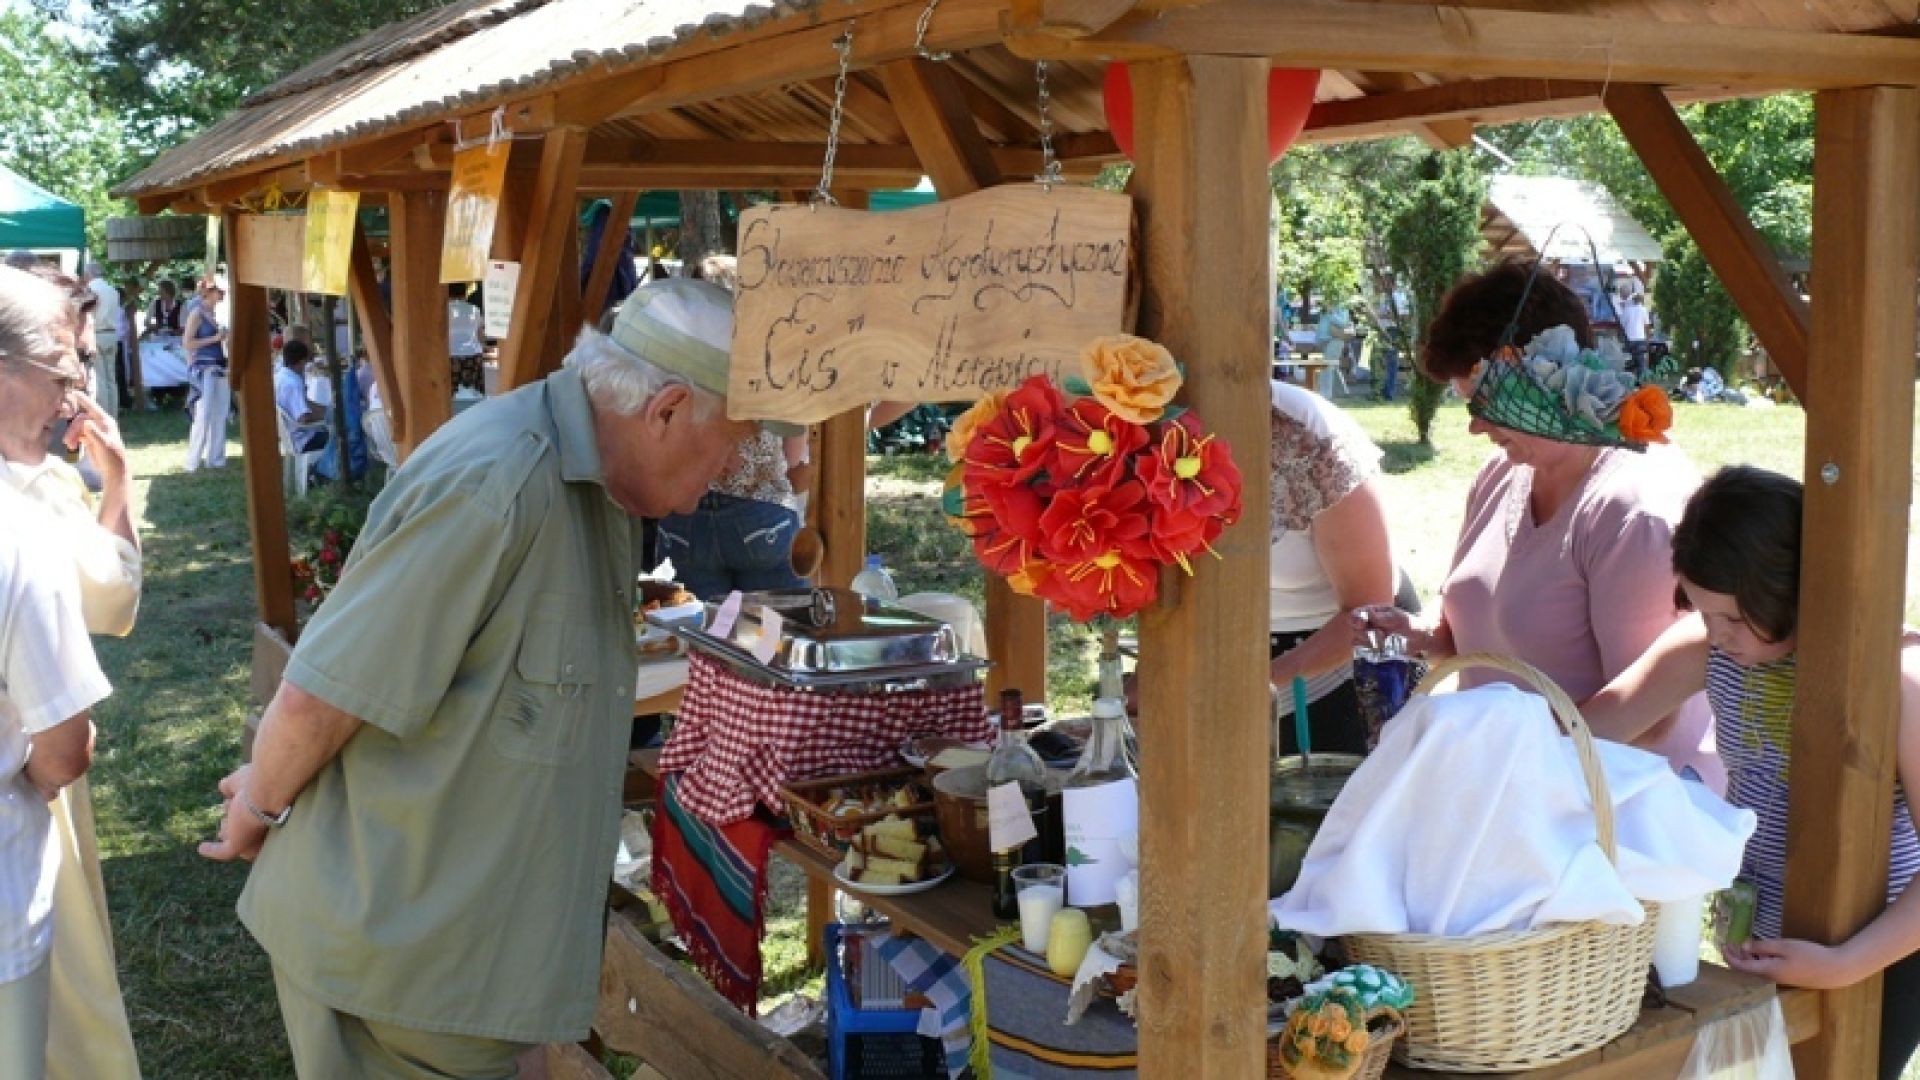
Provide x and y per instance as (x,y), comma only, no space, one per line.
(198,990)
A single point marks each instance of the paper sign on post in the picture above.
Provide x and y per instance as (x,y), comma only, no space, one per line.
(329,241)
(1009,823)
(473,205)
(725,615)
(768,643)
(502,281)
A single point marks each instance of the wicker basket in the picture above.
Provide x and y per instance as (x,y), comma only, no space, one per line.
(831,834)
(1384,1028)
(1519,999)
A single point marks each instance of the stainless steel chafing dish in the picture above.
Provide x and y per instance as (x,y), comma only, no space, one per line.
(836,639)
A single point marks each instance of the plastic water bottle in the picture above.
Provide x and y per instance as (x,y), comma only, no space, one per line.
(875,583)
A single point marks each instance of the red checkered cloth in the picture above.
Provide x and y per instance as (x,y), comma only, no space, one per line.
(738,741)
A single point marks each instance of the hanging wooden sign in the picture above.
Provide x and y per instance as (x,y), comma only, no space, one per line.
(473,204)
(949,302)
(329,241)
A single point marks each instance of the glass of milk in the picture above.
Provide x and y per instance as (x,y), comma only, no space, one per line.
(1042,889)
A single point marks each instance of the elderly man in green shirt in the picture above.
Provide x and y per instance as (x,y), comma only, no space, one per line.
(434,796)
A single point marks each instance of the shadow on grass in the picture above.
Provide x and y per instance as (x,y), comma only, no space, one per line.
(1406,455)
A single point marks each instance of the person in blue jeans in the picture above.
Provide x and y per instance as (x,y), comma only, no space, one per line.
(741,537)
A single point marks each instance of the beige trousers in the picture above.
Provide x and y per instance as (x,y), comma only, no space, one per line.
(87,1036)
(23,1026)
(328,1043)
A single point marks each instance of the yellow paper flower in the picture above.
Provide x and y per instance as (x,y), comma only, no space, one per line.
(982,412)
(1027,580)
(1357,1042)
(1130,375)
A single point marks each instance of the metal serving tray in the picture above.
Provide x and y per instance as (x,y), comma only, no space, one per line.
(836,639)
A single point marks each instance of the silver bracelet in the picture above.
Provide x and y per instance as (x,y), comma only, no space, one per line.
(271,821)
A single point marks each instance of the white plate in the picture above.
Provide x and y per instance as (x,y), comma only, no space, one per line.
(840,875)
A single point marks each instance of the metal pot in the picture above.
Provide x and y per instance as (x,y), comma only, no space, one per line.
(1299,798)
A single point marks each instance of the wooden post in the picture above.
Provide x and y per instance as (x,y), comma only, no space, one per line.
(251,373)
(1739,255)
(933,109)
(1866,254)
(376,329)
(422,361)
(564,327)
(1201,182)
(593,299)
(549,221)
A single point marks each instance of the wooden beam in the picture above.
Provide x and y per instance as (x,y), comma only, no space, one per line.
(934,111)
(376,330)
(570,1061)
(1739,255)
(1481,42)
(251,375)
(1866,255)
(421,358)
(839,503)
(880,36)
(1392,112)
(666,1015)
(593,298)
(265,250)
(549,220)
(1200,181)
(1437,135)
(565,325)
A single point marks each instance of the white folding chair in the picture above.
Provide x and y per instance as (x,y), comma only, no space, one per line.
(294,464)
(379,432)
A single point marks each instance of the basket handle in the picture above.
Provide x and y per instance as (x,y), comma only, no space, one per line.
(1564,711)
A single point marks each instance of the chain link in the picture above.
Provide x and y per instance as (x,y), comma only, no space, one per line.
(844,46)
(920,36)
(1050,173)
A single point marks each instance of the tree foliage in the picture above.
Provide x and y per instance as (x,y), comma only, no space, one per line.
(54,130)
(1433,239)
(1764,149)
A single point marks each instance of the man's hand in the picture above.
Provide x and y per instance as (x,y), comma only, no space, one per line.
(241,834)
(1795,963)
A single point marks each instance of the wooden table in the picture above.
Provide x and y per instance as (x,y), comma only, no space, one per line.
(953,913)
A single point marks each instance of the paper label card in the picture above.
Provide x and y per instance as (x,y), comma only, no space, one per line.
(725,615)
(768,643)
(1009,823)
(496,292)
(473,204)
(328,246)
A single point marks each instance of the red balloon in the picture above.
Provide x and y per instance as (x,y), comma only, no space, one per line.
(1289,99)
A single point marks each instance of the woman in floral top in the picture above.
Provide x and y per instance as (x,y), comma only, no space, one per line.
(741,537)
(1330,553)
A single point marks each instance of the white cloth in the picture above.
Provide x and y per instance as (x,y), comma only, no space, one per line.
(956,611)
(207,445)
(108,567)
(1473,817)
(106,313)
(48,675)
(163,363)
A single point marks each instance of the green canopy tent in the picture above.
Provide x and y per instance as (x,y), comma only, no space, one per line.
(36,219)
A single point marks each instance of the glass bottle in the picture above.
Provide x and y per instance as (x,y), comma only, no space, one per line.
(1014,762)
(1101,809)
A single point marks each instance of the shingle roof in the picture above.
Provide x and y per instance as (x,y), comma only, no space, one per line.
(1528,210)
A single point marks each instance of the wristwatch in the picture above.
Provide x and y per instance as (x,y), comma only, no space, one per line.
(271,821)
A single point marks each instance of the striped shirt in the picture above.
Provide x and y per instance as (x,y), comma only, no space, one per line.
(1753,723)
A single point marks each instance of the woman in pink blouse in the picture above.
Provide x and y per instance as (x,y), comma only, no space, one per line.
(1564,559)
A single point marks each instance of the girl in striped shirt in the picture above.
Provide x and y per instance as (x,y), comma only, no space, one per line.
(1737,556)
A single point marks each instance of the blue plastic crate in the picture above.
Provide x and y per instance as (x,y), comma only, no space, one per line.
(871,1044)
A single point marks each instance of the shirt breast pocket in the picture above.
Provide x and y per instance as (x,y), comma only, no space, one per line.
(543,707)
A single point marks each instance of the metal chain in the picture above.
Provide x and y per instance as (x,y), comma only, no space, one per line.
(844,46)
(920,36)
(1050,173)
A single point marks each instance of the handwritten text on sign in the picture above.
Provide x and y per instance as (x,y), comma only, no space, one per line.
(837,308)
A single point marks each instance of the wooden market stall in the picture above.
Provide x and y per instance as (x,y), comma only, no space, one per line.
(737,95)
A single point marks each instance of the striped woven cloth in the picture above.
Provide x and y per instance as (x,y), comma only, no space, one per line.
(713,880)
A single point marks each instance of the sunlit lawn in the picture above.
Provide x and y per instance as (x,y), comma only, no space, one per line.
(198,989)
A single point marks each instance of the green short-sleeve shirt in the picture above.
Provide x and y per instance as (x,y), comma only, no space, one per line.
(448,870)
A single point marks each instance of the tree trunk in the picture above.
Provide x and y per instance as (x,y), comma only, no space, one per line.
(336,378)
(703,228)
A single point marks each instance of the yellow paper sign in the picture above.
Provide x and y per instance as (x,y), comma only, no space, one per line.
(472,206)
(329,242)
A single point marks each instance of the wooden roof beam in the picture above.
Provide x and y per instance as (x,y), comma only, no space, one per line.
(1479,42)
(1740,257)
(1436,134)
(868,109)
(934,110)
(879,37)
(1473,101)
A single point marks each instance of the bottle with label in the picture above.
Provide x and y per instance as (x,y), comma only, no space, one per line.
(1014,762)
(874,583)
(1101,807)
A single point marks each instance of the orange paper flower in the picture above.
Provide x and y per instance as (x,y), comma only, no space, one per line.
(1646,416)
(964,426)
(1132,376)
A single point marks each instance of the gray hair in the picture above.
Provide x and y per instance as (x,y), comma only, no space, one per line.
(623,383)
(31,308)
